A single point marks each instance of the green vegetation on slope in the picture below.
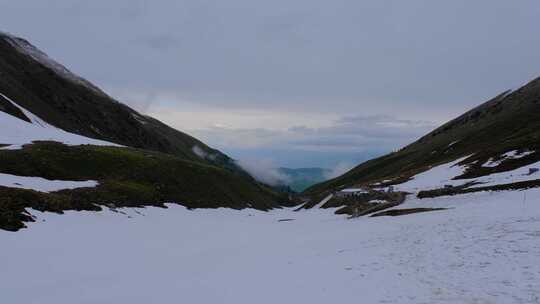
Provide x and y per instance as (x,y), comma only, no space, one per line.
(510,121)
(182,169)
(127,177)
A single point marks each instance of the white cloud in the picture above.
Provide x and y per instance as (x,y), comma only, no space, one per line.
(203,154)
(265,171)
(199,152)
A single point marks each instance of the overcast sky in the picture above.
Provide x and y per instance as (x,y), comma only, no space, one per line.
(299,83)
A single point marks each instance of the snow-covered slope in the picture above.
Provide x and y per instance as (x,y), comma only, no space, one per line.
(509,155)
(41,184)
(484,249)
(501,134)
(443,175)
(69,102)
(15,132)
(31,159)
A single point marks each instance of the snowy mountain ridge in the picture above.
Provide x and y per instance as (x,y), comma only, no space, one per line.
(33,52)
(71,103)
(494,146)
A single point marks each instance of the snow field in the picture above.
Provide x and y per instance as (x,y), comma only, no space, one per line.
(484,249)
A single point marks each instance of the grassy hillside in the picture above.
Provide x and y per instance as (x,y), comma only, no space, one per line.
(127,177)
(510,121)
(163,165)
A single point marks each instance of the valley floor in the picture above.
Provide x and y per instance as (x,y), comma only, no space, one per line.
(484,249)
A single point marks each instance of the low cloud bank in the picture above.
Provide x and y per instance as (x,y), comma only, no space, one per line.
(203,154)
(265,171)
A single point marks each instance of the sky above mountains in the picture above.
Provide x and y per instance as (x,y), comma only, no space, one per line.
(298,83)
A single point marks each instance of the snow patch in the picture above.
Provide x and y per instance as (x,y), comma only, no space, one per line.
(352,190)
(442,175)
(139,119)
(518,175)
(453,143)
(491,163)
(41,184)
(16,132)
(382,182)
(324,201)
(435,177)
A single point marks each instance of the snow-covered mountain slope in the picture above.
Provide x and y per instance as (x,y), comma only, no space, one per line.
(493,139)
(44,167)
(16,132)
(66,145)
(483,249)
(447,175)
(47,168)
(71,103)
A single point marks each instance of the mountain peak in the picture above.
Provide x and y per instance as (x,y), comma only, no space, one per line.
(25,47)
(71,103)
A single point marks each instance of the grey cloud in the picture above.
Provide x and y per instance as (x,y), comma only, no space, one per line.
(342,56)
(100,8)
(347,135)
(354,131)
(384,120)
(419,60)
(159,42)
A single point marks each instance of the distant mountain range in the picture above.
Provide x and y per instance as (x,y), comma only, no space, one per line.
(301,178)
